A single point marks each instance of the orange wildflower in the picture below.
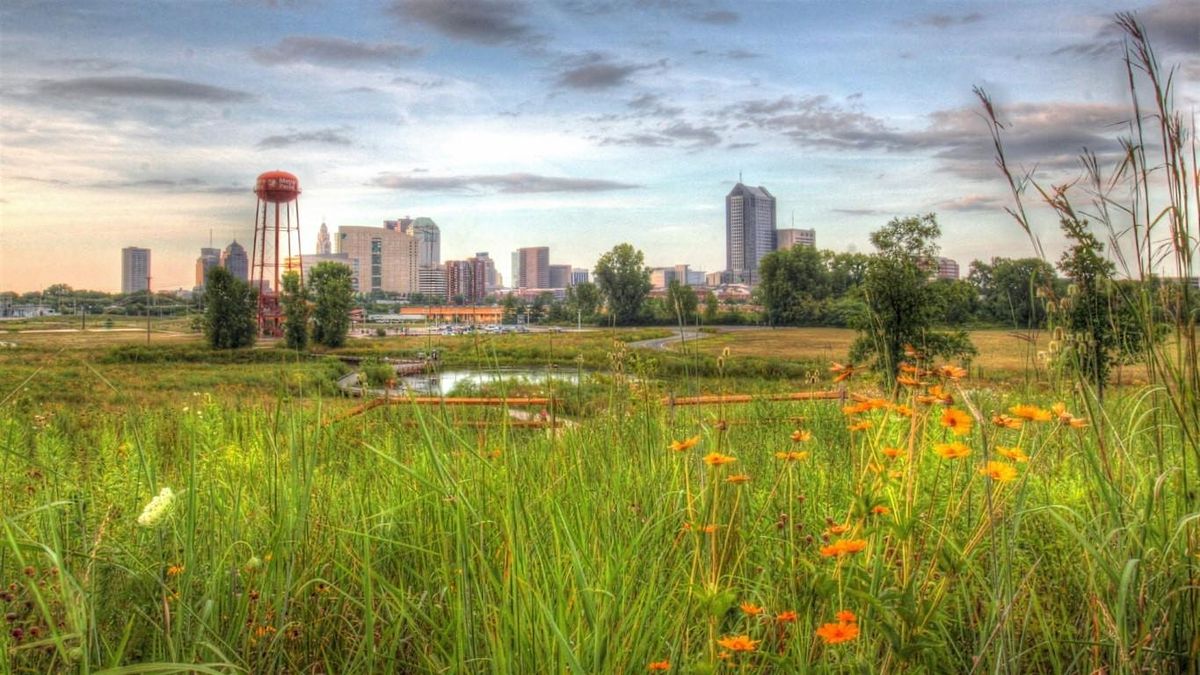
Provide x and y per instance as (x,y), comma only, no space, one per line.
(958,422)
(911,352)
(791,456)
(174,570)
(860,426)
(880,510)
(685,444)
(801,436)
(876,403)
(843,372)
(843,547)
(999,471)
(659,665)
(750,609)
(952,372)
(953,450)
(835,633)
(1006,422)
(1031,413)
(738,478)
(908,381)
(738,643)
(902,410)
(838,529)
(856,408)
(940,395)
(710,529)
(717,459)
(1014,453)
(846,616)
(1077,423)
(926,399)
(786,617)
(892,453)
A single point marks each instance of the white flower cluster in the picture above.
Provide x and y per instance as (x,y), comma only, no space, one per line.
(157,509)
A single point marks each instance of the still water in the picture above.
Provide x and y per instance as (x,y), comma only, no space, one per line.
(444,382)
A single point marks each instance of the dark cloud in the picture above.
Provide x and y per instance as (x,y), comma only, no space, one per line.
(739,146)
(1173,24)
(434,83)
(337,52)
(651,105)
(510,183)
(594,71)
(812,120)
(680,132)
(949,20)
(639,140)
(157,88)
(489,22)
(173,185)
(319,137)
(97,65)
(698,135)
(740,54)
(720,17)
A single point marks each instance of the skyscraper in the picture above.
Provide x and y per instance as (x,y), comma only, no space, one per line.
(560,276)
(429,241)
(789,237)
(236,261)
(209,258)
(489,280)
(749,231)
(135,269)
(531,267)
(324,245)
(385,257)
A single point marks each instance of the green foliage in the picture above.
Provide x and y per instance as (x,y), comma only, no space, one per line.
(295,311)
(681,302)
(230,312)
(1008,290)
(793,282)
(332,289)
(377,373)
(583,301)
(901,302)
(711,306)
(1091,335)
(624,281)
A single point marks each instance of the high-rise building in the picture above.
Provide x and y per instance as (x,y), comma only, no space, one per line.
(429,241)
(465,280)
(489,281)
(209,258)
(311,260)
(386,258)
(531,267)
(135,269)
(235,260)
(789,237)
(324,244)
(560,276)
(749,231)
(579,275)
(431,281)
(947,268)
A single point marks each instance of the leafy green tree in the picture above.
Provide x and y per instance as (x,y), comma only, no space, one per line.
(1008,290)
(681,302)
(513,307)
(793,281)
(624,281)
(711,306)
(332,288)
(1092,338)
(230,320)
(583,301)
(901,305)
(958,301)
(847,271)
(295,311)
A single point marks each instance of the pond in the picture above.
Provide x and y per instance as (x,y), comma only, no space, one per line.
(444,382)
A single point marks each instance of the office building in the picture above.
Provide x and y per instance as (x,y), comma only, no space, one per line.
(235,260)
(465,280)
(531,267)
(429,240)
(789,237)
(431,281)
(293,264)
(135,269)
(947,268)
(490,279)
(324,243)
(749,231)
(579,275)
(385,258)
(560,276)
(209,258)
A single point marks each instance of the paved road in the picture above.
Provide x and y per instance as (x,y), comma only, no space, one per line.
(663,344)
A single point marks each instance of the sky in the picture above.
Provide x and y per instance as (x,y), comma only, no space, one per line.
(573,124)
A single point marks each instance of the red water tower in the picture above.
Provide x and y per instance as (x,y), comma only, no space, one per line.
(272,253)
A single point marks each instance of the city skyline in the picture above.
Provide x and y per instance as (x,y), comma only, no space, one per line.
(576,124)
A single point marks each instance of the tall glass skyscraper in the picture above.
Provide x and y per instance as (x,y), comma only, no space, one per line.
(749,231)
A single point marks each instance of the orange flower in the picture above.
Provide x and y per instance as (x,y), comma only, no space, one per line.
(717,459)
(174,570)
(659,665)
(926,399)
(835,633)
(940,395)
(909,381)
(738,478)
(892,453)
(685,444)
(902,410)
(843,372)
(952,372)
(846,616)
(843,547)
(1060,410)
(856,408)
(1077,423)
(880,510)
(953,450)
(958,422)
(838,529)
(791,456)
(750,608)
(1014,453)
(710,529)
(860,426)
(999,471)
(1006,422)
(1031,413)
(786,617)
(801,436)
(738,643)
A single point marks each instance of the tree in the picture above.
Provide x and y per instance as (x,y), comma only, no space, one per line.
(1008,290)
(901,306)
(624,281)
(334,294)
(792,284)
(583,301)
(711,306)
(1089,321)
(681,301)
(295,311)
(229,318)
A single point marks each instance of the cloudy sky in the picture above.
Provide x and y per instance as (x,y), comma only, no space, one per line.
(576,124)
